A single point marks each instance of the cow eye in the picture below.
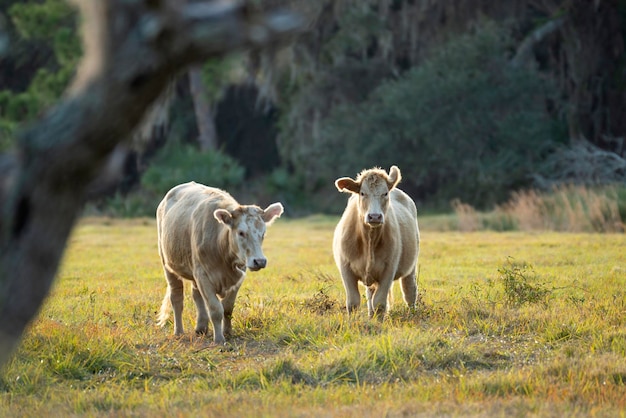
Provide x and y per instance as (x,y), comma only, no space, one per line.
(386,194)
(242,234)
(362,194)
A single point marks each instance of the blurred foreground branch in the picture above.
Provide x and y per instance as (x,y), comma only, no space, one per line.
(132,51)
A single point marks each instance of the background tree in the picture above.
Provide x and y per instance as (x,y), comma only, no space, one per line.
(572,48)
(277,126)
(207,134)
(464,124)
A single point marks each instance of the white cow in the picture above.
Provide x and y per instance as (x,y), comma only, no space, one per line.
(206,237)
(376,240)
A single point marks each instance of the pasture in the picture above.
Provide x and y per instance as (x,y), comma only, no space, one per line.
(507,324)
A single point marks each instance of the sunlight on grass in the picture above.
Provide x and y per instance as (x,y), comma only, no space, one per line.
(518,321)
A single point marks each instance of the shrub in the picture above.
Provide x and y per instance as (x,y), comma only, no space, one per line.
(179,163)
(581,163)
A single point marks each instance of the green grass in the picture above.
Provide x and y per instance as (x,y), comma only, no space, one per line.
(508,324)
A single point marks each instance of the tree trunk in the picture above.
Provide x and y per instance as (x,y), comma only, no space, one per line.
(132,51)
(207,134)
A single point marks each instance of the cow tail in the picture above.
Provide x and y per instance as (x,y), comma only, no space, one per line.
(166,306)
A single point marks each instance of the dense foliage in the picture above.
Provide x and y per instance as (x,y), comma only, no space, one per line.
(465,124)
(42,58)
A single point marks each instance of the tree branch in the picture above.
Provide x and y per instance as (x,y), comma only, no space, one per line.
(524,51)
(132,50)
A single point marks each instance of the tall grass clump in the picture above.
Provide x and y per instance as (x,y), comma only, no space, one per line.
(468,217)
(566,208)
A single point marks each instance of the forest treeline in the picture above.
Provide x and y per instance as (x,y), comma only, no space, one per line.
(473,100)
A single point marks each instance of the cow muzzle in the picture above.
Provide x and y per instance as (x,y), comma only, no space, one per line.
(257,264)
(374,220)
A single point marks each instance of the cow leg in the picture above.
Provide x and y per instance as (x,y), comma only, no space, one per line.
(379,299)
(369,294)
(351,284)
(216,310)
(202,317)
(176,291)
(229,304)
(409,289)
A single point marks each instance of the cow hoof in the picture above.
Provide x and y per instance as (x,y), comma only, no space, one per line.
(378,314)
(202,331)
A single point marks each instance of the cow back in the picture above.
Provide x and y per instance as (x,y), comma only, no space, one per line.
(186,225)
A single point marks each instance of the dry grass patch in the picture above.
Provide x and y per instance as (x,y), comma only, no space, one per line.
(566,208)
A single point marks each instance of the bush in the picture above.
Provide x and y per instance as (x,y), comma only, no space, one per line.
(177,163)
(581,163)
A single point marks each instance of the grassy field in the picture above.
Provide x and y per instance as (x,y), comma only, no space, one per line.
(508,324)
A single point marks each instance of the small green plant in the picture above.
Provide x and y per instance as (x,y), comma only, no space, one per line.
(520,283)
(321,303)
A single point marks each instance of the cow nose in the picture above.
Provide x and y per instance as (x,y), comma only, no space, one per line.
(259,263)
(375,218)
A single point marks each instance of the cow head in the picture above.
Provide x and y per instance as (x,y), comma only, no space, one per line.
(247,225)
(372,187)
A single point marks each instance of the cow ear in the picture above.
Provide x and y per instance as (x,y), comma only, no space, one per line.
(347,184)
(394,177)
(223,216)
(272,212)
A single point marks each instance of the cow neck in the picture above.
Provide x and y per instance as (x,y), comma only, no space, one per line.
(372,237)
(228,249)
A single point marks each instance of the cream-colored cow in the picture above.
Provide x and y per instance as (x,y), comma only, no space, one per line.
(206,237)
(377,240)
